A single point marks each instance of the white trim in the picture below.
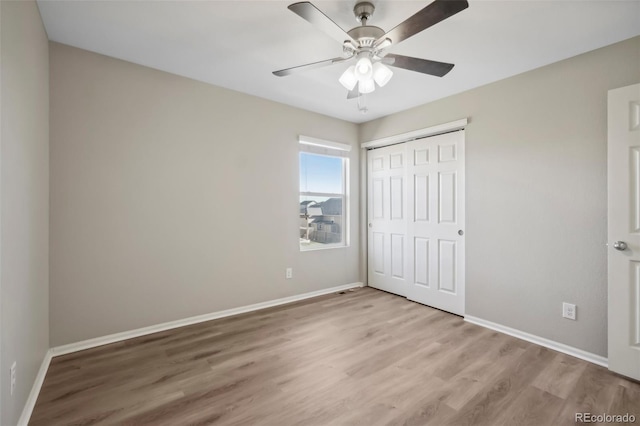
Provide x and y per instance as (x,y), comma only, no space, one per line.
(308,140)
(322,194)
(35,390)
(117,337)
(556,346)
(416,134)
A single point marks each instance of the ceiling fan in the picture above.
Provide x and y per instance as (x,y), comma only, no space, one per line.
(367,44)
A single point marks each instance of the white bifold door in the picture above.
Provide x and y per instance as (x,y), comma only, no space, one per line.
(416,220)
(624,230)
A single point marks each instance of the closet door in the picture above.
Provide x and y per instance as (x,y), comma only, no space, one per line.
(387,214)
(435,221)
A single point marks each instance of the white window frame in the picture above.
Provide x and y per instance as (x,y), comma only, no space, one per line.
(325,148)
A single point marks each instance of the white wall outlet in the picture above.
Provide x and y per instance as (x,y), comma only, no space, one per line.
(569,311)
(289,273)
(13,377)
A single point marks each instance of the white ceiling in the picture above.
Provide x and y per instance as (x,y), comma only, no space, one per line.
(237,44)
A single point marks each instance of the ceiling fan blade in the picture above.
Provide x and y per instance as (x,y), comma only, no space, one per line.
(306,67)
(435,12)
(309,12)
(425,66)
(354,93)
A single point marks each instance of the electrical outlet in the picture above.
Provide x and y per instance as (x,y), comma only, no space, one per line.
(569,311)
(13,377)
(289,273)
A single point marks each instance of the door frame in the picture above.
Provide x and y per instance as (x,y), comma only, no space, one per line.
(438,129)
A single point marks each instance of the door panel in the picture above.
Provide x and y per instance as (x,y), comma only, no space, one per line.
(395,160)
(436,214)
(635,190)
(378,253)
(397,197)
(421,261)
(635,300)
(421,157)
(447,266)
(446,152)
(421,198)
(624,226)
(447,197)
(397,256)
(377,198)
(387,219)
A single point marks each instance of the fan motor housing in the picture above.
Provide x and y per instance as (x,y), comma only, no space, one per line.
(366,35)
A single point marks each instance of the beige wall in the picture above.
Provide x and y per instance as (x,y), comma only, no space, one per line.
(24,196)
(172,198)
(536,191)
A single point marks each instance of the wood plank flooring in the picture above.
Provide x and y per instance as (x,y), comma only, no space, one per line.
(364,357)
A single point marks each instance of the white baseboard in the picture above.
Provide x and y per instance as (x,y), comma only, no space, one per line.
(117,337)
(35,390)
(556,346)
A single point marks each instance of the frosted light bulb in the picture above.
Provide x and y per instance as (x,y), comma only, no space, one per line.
(381,74)
(367,86)
(364,69)
(348,78)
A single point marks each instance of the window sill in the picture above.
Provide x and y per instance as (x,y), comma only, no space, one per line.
(320,246)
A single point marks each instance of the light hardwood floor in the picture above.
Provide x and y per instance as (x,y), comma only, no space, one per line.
(364,357)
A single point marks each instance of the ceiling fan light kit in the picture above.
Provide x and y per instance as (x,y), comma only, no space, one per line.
(366,86)
(381,74)
(348,78)
(367,44)
(364,67)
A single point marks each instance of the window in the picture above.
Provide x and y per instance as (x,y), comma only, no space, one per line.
(323,196)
